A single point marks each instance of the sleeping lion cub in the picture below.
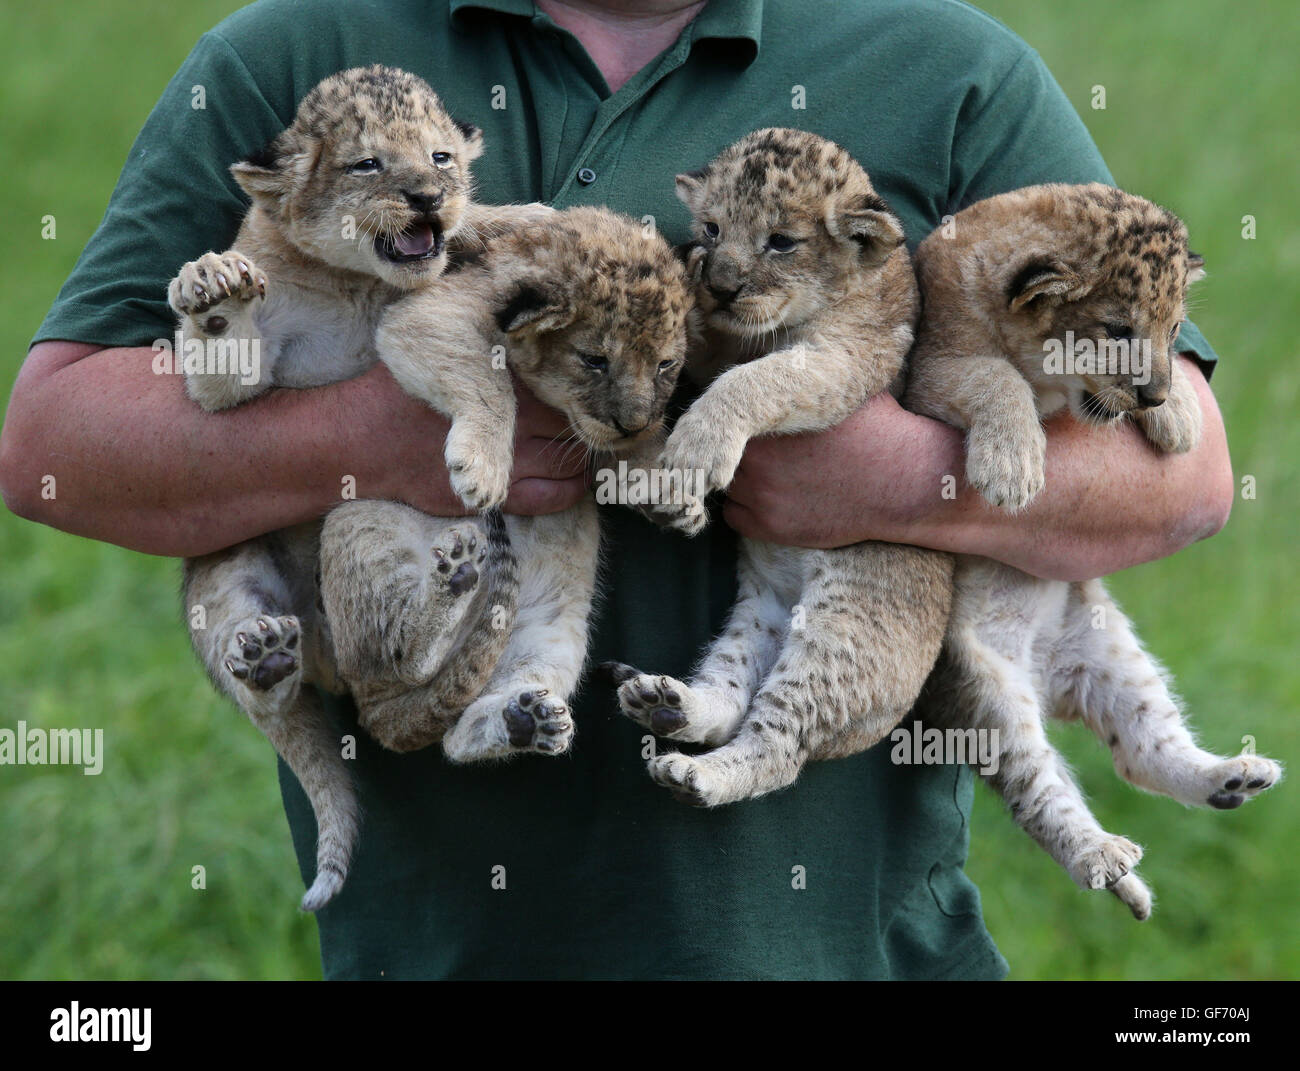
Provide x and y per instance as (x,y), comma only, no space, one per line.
(592,314)
(1049,297)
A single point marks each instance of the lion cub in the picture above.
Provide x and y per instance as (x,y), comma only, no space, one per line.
(1049,297)
(354,205)
(592,315)
(811,303)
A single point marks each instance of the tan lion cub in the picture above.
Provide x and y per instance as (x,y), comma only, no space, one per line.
(1048,297)
(592,314)
(810,303)
(354,205)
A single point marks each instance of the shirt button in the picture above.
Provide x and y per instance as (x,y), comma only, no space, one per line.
(586,176)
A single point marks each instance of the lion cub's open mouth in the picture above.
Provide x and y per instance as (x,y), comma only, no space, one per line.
(422,240)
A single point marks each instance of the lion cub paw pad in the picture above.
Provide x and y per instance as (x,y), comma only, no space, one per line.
(537,721)
(457,559)
(654,702)
(1234,781)
(262,654)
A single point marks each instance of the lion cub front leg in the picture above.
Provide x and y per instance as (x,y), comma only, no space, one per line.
(1175,426)
(218,298)
(1006,446)
(672,499)
(786,391)
(482,222)
(524,707)
(809,385)
(436,346)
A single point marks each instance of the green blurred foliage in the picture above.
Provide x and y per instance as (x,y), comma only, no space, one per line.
(95,872)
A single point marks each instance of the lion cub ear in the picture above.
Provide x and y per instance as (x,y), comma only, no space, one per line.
(261,177)
(535,306)
(270,175)
(866,219)
(1042,277)
(473,138)
(1195,267)
(689,186)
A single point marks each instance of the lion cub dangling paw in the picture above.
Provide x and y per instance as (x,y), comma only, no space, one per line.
(1043,298)
(810,304)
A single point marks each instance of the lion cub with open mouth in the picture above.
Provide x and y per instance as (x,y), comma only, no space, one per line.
(357,203)
(1049,297)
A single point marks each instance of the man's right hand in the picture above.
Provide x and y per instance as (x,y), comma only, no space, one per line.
(547,476)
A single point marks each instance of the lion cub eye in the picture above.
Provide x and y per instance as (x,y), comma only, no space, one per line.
(1173,332)
(1119,331)
(780,243)
(594,361)
(368,166)
(711,229)
(442,159)
(666,366)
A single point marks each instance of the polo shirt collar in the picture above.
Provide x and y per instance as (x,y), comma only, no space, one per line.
(739,21)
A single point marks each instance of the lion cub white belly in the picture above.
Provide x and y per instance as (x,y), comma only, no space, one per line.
(316,341)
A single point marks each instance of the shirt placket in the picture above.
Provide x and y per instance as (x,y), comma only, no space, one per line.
(593,161)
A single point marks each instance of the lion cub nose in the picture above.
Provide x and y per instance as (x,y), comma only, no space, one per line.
(722,295)
(424,203)
(631,430)
(1149,397)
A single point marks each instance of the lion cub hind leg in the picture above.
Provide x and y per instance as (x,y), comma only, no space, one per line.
(710,709)
(252,647)
(994,692)
(1104,676)
(770,745)
(865,629)
(396,586)
(422,607)
(888,604)
(250,642)
(524,707)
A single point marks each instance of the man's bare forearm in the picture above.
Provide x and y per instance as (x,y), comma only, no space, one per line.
(133,461)
(1111,501)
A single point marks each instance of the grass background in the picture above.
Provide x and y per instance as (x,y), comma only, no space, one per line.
(95,872)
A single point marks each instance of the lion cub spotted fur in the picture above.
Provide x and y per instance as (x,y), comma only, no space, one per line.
(592,315)
(355,204)
(1012,274)
(810,303)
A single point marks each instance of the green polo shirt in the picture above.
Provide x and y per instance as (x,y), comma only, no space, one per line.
(580,866)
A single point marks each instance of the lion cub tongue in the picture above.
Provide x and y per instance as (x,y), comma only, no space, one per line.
(415,241)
